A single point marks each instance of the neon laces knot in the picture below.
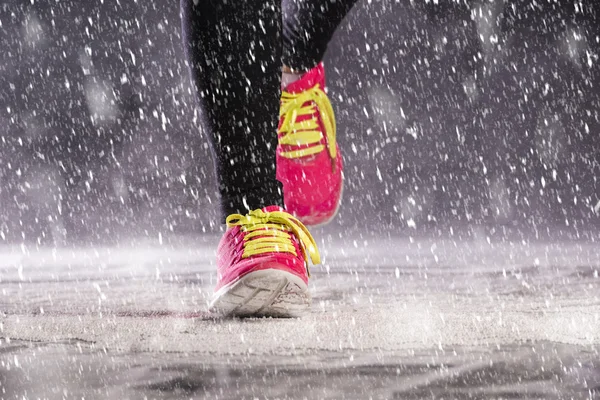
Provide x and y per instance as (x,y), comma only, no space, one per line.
(270,232)
(305,132)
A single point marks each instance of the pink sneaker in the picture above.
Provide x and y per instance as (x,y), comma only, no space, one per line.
(262,265)
(309,164)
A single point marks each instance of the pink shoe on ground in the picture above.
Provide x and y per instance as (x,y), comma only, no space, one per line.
(262,265)
(309,163)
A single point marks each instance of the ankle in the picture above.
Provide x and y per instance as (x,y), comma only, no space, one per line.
(287,78)
(288,70)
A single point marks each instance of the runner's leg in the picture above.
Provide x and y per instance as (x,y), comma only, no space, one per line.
(308,26)
(234,51)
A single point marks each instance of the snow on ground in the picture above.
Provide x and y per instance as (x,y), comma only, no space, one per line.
(435,310)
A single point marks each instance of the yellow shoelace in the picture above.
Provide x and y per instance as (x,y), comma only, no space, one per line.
(269,232)
(306,132)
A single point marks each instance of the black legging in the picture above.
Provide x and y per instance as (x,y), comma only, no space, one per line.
(235,51)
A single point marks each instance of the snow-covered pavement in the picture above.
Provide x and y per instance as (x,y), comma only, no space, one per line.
(400,318)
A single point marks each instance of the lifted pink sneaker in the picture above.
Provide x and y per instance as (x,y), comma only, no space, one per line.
(262,265)
(309,164)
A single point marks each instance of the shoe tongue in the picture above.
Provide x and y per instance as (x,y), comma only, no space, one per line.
(308,80)
(272,208)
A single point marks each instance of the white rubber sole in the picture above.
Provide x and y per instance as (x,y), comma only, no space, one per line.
(265,293)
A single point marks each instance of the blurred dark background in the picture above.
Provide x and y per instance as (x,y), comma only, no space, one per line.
(470,118)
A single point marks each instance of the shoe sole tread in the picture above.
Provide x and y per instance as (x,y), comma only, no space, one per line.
(264,293)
